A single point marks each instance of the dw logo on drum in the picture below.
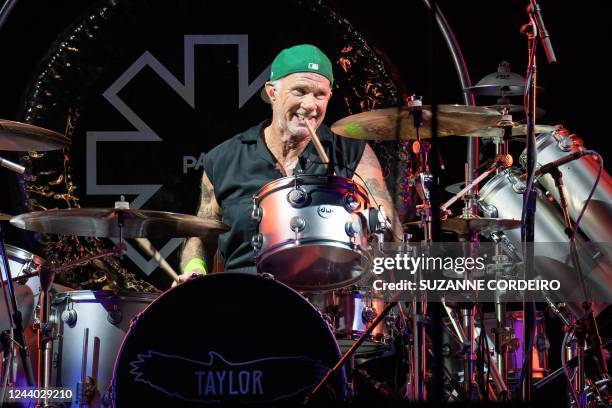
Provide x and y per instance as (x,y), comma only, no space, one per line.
(325,211)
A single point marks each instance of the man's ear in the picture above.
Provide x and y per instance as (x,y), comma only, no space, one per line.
(270,92)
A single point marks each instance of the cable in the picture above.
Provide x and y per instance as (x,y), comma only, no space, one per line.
(564,365)
(590,196)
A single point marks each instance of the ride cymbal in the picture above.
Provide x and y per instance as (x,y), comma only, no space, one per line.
(393,123)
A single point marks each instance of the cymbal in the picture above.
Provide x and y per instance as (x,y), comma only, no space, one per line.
(500,83)
(104,222)
(455,188)
(516,109)
(17,136)
(473,225)
(384,124)
(518,130)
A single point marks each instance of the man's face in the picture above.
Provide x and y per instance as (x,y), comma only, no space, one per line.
(300,95)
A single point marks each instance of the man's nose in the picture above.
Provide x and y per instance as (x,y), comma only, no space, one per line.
(309,103)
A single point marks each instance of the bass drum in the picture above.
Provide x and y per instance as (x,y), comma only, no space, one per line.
(226,338)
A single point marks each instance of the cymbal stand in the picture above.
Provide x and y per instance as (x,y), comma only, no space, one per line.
(15,318)
(502,332)
(419,302)
(46,334)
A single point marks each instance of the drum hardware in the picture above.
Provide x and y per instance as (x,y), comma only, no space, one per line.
(15,317)
(351,351)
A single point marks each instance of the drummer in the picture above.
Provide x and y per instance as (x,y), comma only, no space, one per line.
(299,90)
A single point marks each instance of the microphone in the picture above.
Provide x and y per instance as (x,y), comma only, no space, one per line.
(534,8)
(548,167)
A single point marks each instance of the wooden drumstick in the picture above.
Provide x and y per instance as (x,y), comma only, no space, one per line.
(153,252)
(317,142)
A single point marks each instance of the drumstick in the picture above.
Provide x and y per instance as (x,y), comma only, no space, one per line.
(317,142)
(153,252)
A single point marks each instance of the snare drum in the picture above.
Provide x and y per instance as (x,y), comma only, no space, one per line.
(90,328)
(312,232)
(226,338)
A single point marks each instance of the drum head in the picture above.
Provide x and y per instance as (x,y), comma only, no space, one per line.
(229,337)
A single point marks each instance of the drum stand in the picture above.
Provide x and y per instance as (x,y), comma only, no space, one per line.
(352,350)
(16,336)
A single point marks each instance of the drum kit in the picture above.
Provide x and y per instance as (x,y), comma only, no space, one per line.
(305,325)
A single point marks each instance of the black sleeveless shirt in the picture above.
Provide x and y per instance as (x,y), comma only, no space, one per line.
(239,167)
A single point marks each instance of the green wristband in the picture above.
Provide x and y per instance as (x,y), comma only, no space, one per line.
(195,263)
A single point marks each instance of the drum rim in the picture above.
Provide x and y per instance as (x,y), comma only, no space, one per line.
(15,252)
(311,179)
(491,186)
(94,295)
(331,286)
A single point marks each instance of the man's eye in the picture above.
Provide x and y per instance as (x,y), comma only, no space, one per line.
(298,92)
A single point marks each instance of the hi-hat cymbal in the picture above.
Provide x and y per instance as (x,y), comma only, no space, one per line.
(475,225)
(518,130)
(500,83)
(391,123)
(104,222)
(17,136)
(517,110)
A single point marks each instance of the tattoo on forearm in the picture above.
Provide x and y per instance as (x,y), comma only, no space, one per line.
(377,190)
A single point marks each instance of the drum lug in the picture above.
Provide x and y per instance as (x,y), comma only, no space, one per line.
(114,316)
(351,230)
(368,314)
(257,213)
(489,210)
(69,317)
(297,224)
(257,242)
(297,197)
(351,203)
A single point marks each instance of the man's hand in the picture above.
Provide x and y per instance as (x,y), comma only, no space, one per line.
(188,275)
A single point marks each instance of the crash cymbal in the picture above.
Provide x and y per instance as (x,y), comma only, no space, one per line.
(104,222)
(474,225)
(518,130)
(384,124)
(17,136)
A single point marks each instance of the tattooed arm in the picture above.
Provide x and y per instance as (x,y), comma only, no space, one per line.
(194,248)
(369,169)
